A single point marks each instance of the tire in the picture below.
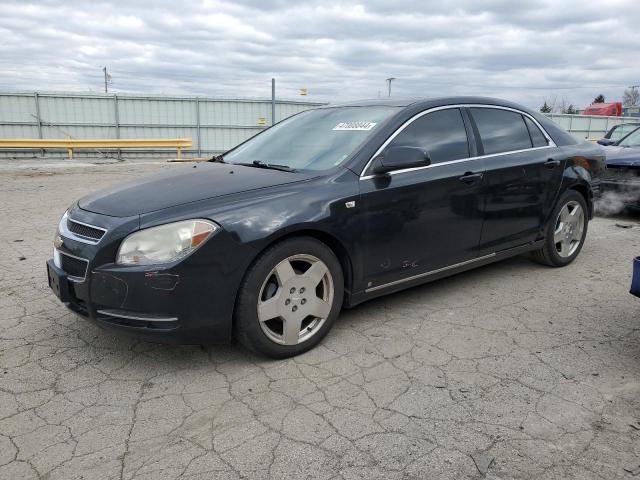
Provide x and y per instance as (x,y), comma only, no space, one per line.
(289,298)
(571,232)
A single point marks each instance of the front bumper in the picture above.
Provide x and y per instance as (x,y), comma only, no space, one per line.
(623,191)
(190,302)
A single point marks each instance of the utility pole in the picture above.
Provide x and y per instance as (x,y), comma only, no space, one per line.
(389,80)
(273,101)
(107,77)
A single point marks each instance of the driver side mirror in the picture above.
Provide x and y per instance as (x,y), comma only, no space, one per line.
(400,158)
(605,142)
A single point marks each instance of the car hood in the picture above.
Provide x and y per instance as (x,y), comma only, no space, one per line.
(622,156)
(177,186)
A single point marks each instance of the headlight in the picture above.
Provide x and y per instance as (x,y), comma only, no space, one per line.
(57,240)
(165,243)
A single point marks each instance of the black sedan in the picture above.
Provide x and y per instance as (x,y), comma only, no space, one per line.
(327,209)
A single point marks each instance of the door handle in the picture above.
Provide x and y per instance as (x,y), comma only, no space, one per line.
(551,163)
(470,178)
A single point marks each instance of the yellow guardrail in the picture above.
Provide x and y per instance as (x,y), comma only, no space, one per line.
(70,145)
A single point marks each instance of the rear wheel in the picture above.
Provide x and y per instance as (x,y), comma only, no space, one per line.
(566,231)
(290,298)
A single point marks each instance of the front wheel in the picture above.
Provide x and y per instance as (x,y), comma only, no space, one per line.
(290,298)
(566,231)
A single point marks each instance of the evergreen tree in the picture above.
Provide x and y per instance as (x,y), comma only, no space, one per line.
(545,108)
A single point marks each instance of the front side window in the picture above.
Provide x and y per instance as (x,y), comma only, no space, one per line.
(441,133)
(501,130)
(313,140)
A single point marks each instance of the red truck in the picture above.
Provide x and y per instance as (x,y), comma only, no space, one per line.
(605,109)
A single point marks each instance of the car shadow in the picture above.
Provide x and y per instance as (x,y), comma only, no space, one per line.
(460,281)
(184,356)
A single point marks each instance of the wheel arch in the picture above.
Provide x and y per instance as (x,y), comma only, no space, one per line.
(585,191)
(336,246)
(333,243)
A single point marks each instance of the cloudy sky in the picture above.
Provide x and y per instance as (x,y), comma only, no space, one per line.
(521,50)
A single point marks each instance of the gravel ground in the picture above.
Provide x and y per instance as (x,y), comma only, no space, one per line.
(509,371)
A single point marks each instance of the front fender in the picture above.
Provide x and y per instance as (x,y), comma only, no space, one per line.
(255,220)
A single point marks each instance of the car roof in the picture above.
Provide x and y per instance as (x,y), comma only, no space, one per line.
(415,105)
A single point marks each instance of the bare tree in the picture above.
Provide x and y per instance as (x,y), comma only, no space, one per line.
(554,105)
(631,97)
(563,106)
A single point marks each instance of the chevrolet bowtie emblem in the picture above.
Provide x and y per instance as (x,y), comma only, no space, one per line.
(57,241)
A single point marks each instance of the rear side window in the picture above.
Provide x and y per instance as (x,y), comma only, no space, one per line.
(441,133)
(501,130)
(537,137)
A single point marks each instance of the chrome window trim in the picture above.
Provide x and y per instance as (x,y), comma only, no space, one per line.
(65,232)
(432,272)
(551,144)
(71,277)
(395,172)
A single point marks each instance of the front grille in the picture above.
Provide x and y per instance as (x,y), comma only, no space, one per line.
(85,231)
(621,173)
(74,267)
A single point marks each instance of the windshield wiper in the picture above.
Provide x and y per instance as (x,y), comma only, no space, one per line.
(272,166)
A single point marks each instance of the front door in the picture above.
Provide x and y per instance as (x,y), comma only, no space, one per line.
(423,219)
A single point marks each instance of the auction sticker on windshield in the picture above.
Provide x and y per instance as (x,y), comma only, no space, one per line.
(355,126)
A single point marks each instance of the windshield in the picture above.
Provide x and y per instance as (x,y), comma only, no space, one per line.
(313,140)
(621,130)
(631,140)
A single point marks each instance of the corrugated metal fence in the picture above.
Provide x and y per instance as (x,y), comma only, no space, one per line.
(214,124)
(590,127)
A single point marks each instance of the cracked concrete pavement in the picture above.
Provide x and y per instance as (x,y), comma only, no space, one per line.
(533,367)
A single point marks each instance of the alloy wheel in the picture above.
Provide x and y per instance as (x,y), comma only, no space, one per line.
(295,299)
(569,228)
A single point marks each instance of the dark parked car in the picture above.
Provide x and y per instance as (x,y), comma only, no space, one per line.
(621,182)
(328,208)
(617,132)
(635,278)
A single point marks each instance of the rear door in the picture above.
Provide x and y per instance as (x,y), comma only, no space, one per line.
(422,219)
(523,172)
